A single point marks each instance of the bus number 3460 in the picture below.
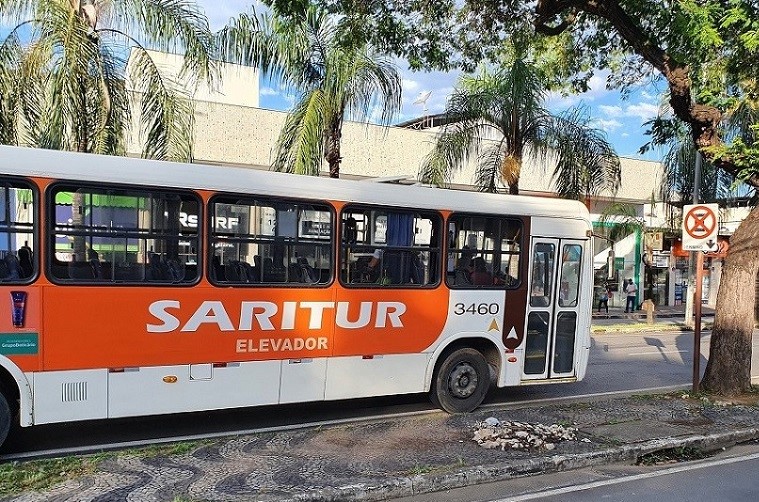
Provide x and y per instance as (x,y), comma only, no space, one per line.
(476,308)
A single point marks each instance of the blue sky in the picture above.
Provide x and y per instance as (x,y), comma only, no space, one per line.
(621,119)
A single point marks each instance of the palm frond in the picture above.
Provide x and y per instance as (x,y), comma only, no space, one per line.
(172,26)
(453,148)
(166,111)
(300,145)
(620,220)
(586,162)
(335,82)
(10,55)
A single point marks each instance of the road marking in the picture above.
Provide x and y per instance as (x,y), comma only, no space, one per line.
(627,479)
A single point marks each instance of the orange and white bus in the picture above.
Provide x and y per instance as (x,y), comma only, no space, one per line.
(136,287)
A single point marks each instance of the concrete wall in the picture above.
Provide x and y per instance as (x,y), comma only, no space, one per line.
(245,135)
(230,128)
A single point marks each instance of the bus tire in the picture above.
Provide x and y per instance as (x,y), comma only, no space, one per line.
(5,418)
(461,381)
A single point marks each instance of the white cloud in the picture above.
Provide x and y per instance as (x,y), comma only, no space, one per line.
(644,111)
(611,110)
(440,84)
(268,91)
(606,125)
(409,86)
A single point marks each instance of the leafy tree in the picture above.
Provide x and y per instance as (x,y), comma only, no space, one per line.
(505,106)
(336,82)
(707,51)
(63,74)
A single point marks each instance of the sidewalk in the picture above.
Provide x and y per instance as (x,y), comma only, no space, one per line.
(660,312)
(400,457)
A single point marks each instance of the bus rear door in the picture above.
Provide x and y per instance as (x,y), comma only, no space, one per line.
(553,308)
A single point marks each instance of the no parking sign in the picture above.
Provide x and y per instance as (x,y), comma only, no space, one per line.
(700,222)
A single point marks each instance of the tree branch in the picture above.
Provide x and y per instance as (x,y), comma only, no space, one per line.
(703,119)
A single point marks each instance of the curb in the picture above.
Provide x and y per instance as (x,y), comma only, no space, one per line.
(427,483)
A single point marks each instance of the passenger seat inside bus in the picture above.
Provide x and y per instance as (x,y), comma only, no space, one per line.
(10,269)
(84,270)
(164,269)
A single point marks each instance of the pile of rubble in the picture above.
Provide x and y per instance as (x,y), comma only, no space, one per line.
(492,433)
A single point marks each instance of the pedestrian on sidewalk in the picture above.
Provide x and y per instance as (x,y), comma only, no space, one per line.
(631,289)
(603,299)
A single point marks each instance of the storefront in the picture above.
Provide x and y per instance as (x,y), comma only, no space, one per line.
(710,277)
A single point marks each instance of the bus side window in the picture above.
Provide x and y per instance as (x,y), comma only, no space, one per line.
(483,252)
(17,210)
(389,247)
(115,235)
(265,241)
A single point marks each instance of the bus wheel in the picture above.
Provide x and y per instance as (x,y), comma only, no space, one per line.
(5,418)
(461,382)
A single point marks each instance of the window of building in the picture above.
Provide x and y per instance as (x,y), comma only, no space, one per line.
(17,211)
(390,247)
(483,251)
(123,235)
(260,241)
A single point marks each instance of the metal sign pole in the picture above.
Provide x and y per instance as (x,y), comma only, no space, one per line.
(697,324)
(697,293)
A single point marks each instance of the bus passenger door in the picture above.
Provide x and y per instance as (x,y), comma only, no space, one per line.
(552,310)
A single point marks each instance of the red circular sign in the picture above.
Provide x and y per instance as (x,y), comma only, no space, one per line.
(700,222)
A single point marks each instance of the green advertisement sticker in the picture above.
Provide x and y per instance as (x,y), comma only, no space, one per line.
(18,343)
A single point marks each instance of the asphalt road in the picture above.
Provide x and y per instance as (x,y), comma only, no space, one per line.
(729,476)
(730,479)
(618,362)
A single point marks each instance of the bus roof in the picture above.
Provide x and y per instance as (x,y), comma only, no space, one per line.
(56,164)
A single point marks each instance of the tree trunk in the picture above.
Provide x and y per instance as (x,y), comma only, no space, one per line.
(728,371)
(332,153)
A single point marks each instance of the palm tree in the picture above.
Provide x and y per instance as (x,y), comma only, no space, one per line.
(335,82)
(506,106)
(63,74)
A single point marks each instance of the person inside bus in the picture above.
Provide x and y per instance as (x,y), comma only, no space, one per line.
(25,260)
(462,273)
(374,271)
(479,274)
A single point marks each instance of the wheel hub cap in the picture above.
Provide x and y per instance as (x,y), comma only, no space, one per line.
(462,381)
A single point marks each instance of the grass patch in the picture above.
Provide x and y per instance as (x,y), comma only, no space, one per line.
(17,477)
(672,456)
(420,469)
(165,450)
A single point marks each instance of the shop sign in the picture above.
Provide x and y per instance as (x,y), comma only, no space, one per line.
(660,260)
(654,240)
